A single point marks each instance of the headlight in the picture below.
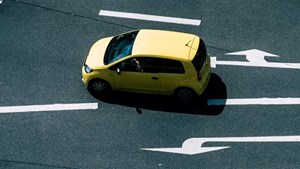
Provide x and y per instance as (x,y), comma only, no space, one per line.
(87,69)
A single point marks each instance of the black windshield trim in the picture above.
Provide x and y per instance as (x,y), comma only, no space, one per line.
(110,45)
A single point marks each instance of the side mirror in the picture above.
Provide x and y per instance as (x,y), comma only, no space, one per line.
(118,70)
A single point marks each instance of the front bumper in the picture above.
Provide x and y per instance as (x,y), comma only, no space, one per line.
(85,78)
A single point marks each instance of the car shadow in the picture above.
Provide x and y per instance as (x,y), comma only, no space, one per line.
(216,89)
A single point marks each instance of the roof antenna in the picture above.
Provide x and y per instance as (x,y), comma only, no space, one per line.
(188,44)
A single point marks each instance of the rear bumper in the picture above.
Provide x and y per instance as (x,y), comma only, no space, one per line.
(206,74)
(204,85)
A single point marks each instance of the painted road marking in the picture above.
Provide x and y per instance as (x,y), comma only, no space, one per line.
(150,17)
(193,146)
(255,58)
(214,62)
(254,101)
(1,1)
(49,107)
(254,55)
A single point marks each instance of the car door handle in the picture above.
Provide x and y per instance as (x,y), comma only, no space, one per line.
(155,78)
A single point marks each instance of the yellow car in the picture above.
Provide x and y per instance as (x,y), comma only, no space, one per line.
(149,61)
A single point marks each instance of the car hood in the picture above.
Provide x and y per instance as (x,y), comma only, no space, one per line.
(95,59)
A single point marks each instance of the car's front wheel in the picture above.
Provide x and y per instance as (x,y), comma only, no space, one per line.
(98,86)
(185,94)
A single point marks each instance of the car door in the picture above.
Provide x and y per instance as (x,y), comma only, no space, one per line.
(139,74)
(171,76)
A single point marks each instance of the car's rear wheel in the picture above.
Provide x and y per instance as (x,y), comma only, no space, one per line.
(185,94)
(98,86)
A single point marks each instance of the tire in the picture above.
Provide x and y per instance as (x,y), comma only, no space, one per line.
(185,94)
(98,86)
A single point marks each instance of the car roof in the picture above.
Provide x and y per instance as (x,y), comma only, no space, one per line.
(167,44)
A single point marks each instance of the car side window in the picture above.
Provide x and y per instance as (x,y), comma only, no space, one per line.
(150,65)
(128,65)
(141,64)
(173,66)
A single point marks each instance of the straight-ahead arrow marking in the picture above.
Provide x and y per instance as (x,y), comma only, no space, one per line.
(256,58)
(254,55)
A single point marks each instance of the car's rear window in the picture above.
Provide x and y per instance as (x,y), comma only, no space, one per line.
(200,56)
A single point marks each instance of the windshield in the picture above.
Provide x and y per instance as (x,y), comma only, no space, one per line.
(119,47)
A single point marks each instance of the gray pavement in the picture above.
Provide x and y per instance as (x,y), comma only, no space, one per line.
(43,44)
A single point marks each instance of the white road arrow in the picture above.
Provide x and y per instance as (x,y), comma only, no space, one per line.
(254,55)
(256,58)
(193,146)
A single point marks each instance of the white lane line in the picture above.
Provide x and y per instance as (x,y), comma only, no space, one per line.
(150,17)
(1,1)
(49,107)
(254,101)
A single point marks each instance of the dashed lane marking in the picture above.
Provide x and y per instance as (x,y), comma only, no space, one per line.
(48,107)
(254,101)
(150,17)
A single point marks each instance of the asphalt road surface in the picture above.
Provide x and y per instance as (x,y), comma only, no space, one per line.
(254,125)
